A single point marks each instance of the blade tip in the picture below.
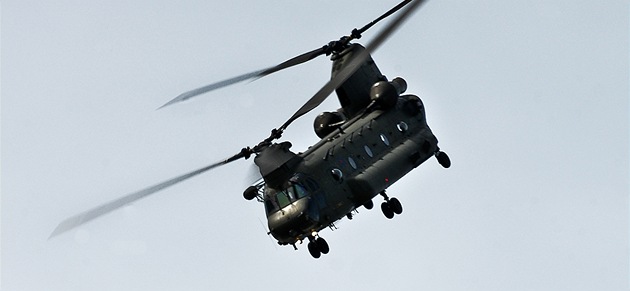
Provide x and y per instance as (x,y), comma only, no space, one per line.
(168,103)
(58,230)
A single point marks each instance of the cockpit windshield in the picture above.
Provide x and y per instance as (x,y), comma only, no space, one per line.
(275,200)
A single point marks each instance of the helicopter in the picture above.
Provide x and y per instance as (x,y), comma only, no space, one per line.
(377,136)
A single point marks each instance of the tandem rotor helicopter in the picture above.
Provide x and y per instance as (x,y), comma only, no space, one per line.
(375,138)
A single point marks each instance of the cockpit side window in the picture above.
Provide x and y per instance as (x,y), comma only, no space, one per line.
(283,199)
(291,193)
(301,192)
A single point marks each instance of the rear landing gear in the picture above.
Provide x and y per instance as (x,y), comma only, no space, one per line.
(443,159)
(391,206)
(395,205)
(317,246)
(387,210)
(315,252)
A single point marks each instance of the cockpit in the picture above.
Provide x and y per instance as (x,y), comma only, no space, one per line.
(295,189)
(278,199)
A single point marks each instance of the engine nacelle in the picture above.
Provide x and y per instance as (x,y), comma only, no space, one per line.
(327,122)
(385,94)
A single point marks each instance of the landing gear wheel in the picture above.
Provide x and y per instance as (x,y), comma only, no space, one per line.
(314,250)
(369,204)
(322,245)
(387,210)
(250,193)
(443,159)
(395,205)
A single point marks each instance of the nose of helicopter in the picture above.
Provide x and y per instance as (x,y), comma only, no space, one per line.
(288,223)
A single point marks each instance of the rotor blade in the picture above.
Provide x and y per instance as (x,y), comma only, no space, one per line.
(253,75)
(385,15)
(214,86)
(96,212)
(356,62)
(305,57)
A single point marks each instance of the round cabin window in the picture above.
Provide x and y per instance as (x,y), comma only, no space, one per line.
(402,126)
(384,139)
(352,163)
(337,175)
(368,151)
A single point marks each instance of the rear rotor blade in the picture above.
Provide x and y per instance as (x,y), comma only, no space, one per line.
(101,210)
(356,62)
(214,86)
(357,32)
(305,57)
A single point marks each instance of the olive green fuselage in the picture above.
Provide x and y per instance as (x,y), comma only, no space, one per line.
(350,166)
(373,140)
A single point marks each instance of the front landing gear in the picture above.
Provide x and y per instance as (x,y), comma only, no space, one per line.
(317,246)
(391,206)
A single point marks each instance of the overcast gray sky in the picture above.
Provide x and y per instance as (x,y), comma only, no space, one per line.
(529,98)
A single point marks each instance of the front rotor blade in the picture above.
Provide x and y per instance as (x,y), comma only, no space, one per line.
(96,212)
(352,67)
(305,57)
